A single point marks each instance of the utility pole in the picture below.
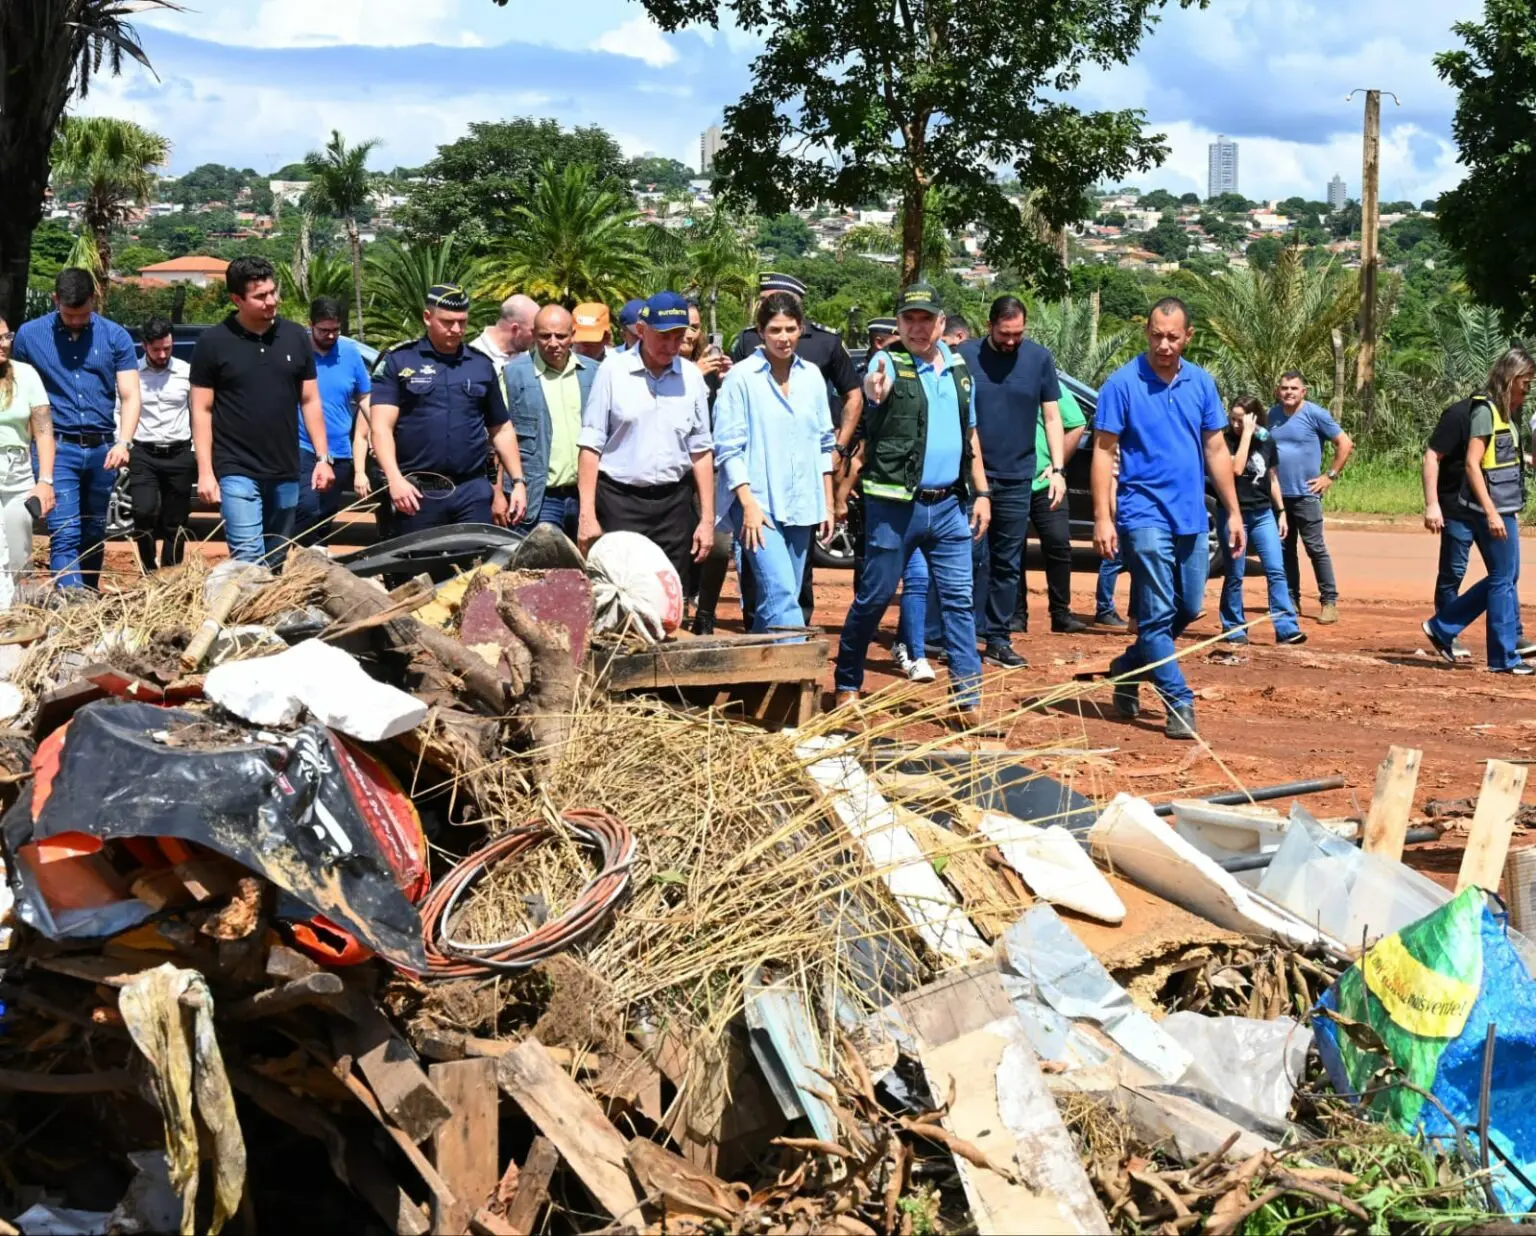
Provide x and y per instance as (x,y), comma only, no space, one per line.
(1370,259)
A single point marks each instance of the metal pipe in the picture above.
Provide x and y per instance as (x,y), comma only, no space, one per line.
(1254,862)
(1238,798)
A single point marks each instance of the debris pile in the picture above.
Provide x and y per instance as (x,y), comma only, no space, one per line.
(472,905)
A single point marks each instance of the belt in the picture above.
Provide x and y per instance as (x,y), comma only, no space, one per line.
(85,439)
(934,495)
(164,448)
(561,491)
(434,482)
(628,488)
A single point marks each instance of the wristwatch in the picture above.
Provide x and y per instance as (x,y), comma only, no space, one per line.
(981,493)
(328,459)
(1333,474)
(45,480)
(127,446)
(517,480)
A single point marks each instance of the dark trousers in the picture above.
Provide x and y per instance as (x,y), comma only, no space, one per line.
(315,520)
(664,514)
(997,560)
(1304,515)
(748,583)
(1053,529)
(383,508)
(468,502)
(161,478)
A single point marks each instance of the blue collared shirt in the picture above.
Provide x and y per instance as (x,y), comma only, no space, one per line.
(1299,438)
(942,451)
(779,445)
(646,429)
(342,375)
(79,372)
(1162,428)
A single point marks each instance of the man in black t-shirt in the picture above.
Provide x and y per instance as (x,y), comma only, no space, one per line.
(247,373)
(1255,464)
(1445,471)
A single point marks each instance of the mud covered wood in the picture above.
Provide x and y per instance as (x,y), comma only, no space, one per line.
(712,663)
(465,1148)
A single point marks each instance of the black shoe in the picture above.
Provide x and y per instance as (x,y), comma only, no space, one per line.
(1070,625)
(1128,700)
(1003,654)
(1446,651)
(703,623)
(1018,624)
(1109,619)
(1180,723)
(1238,639)
(1296,637)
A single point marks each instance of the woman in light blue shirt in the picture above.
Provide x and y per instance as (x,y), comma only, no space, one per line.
(773,449)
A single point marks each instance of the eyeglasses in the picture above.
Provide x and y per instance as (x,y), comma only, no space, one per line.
(6,338)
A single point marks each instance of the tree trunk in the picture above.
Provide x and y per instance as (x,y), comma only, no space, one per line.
(1093,321)
(104,259)
(15,252)
(355,243)
(714,295)
(912,205)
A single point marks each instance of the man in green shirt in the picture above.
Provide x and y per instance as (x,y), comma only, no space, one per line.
(1052,527)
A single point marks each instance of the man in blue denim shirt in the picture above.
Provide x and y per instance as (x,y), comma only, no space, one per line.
(1164,414)
(89,370)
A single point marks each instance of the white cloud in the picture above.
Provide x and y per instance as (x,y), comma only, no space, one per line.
(639,39)
(321,23)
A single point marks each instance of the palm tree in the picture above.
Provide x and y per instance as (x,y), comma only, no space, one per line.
(339,183)
(115,160)
(324,274)
(49,51)
(1256,324)
(398,278)
(865,238)
(572,241)
(1068,329)
(1470,345)
(721,260)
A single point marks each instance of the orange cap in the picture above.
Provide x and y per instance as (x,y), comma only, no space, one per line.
(591,323)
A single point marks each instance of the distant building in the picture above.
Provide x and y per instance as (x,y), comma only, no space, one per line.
(1222,176)
(1338,193)
(709,147)
(289,191)
(199,271)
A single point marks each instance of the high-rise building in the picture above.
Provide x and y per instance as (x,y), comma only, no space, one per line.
(1223,166)
(709,146)
(1338,193)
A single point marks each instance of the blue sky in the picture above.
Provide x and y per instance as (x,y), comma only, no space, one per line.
(256,83)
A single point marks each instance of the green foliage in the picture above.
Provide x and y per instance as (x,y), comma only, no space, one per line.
(132,258)
(397,278)
(133,306)
(51,245)
(785,235)
(326,274)
(573,241)
(1189,199)
(1158,199)
(663,175)
(1115,218)
(1081,347)
(487,174)
(212,182)
(1166,238)
(1121,295)
(177,235)
(1265,252)
(980,90)
(1344,224)
(720,264)
(1398,208)
(1230,203)
(339,185)
(1220,230)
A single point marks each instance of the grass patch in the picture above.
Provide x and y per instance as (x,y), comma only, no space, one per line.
(1377,487)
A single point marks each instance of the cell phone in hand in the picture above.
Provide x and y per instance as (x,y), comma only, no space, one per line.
(717,339)
(34,507)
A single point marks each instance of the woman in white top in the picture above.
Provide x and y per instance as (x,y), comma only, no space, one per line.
(25,422)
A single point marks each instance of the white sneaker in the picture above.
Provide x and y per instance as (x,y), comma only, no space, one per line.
(921,671)
(899,655)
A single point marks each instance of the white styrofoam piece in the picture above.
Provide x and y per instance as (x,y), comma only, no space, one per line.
(336,690)
(922,896)
(1054,865)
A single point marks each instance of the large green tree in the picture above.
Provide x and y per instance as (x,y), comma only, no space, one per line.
(1485,218)
(339,184)
(115,160)
(662,175)
(853,100)
(485,175)
(49,51)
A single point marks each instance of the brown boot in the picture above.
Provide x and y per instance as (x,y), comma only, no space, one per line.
(965,719)
(1329,613)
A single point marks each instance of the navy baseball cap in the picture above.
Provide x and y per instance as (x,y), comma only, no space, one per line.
(665,311)
(630,313)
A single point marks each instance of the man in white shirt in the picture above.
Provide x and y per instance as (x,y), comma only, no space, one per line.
(162,473)
(511,334)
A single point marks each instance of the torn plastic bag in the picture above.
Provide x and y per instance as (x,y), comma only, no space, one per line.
(1250,1062)
(300,809)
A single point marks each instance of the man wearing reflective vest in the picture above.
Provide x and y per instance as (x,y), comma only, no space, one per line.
(922,471)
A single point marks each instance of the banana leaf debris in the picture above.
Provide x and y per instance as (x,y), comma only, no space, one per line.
(455,905)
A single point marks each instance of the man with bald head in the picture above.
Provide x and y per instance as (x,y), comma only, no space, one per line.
(547,392)
(511,335)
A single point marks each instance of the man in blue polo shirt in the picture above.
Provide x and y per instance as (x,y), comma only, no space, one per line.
(343,380)
(1300,428)
(91,375)
(1165,415)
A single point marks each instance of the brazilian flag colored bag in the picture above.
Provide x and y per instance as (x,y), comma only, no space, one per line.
(1425,997)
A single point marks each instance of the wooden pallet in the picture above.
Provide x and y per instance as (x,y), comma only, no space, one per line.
(759,677)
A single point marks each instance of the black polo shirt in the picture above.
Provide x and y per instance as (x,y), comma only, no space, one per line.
(257,383)
(1450,440)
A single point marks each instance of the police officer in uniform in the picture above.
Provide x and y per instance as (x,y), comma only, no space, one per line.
(824,349)
(436,405)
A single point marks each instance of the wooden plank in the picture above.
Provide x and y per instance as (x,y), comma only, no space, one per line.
(573,1122)
(374,1183)
(533,1185)
(1387,822)
(465,1147)
(322,989)
(390,1067)
(684,665)
(1493,823)
(956,1004)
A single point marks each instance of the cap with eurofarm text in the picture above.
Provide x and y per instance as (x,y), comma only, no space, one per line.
(591,323)
(768,281)
(881,326)
(665,311)
(449,296)
(920,297)
(629,312)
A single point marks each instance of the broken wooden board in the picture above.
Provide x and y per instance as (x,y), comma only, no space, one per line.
(575,1124)
(691,663)
(533,1185)
(1386,824)
(922,896)
(1498,803)
(391,1069)
(465,1147)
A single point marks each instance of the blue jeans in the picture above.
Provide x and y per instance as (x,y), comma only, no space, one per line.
(77,525)
(1456,543)
(998,559)
(562,512)
(892,531)
(1495,594)
(1167,585)
(1104,594)
(258,517)
(778,569)
(315,515)
(914,628)
(1264,540)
